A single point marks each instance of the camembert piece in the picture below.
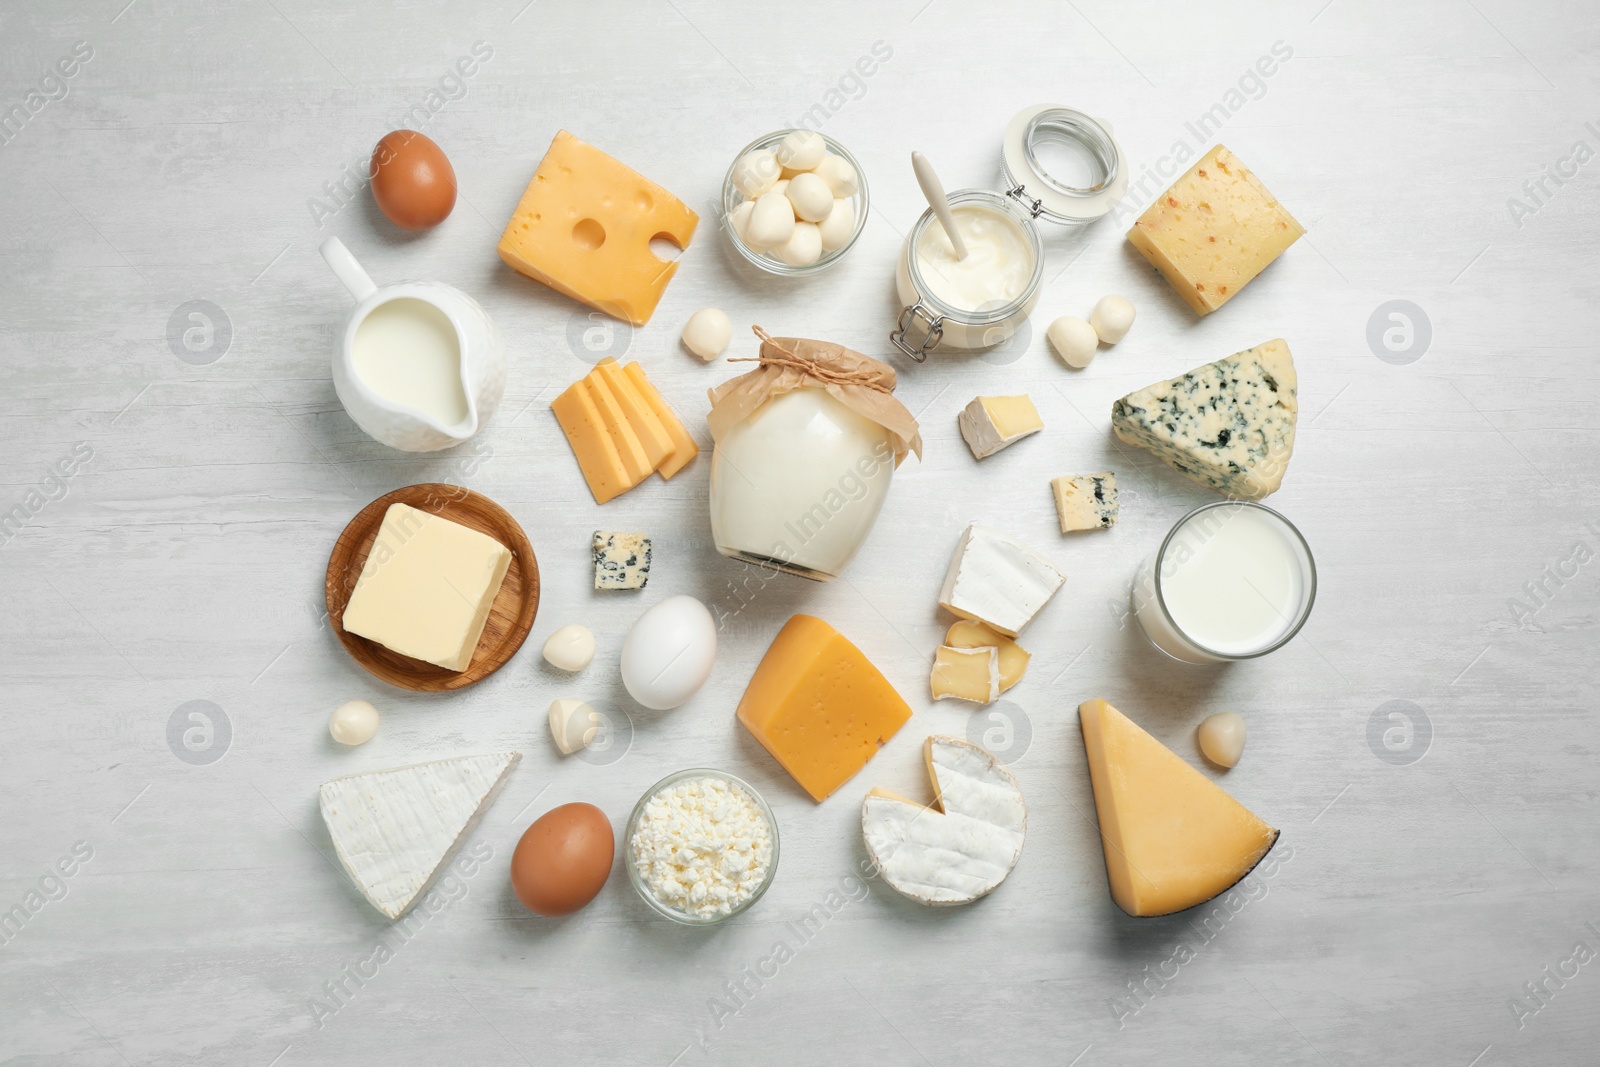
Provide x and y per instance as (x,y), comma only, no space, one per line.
(584,226)
(966,674)
(1013,657)
(990,423)
(1216,228)
(1172,838)
(998,580)
(1086,501)
(426,588)
(1228,425)
(393,831)
(819,706)
(966,844)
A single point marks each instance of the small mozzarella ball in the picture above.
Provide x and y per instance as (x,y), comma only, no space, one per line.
(782,188)
(755,173)
(1221,738)
(739,219)
(838,227)
(573,725)
(1111,318)
(811,197)
(353,723)
(772,221)
(1074,340)
(707,333)
(839,174)
(803,247)
(570,648)
(801,150)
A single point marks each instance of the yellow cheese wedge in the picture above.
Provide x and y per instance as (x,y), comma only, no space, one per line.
(1214,230)
(632,453)
(966,674)
(820,706)
(972,634)
(684,448)
(584,225)
(1172,837)
(597,455)
(647,427)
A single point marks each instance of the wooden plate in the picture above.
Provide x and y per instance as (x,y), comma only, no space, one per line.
(510,616)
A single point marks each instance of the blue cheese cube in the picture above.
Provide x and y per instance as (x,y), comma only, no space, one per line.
(621,560)
(1086,501)
(1228,425)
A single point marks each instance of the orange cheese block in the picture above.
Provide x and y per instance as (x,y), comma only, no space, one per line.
(634,459)
(1172,837)
(641,417)
(591,443)
(820,706)
(684,448)
(583,227)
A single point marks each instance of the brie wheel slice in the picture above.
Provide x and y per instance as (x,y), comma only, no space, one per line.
(963,846)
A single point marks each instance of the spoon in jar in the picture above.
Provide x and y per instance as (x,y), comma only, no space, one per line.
(934,191)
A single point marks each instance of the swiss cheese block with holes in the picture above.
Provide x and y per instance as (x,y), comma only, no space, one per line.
(584,225)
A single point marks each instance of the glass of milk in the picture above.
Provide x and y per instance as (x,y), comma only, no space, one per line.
(1232,580)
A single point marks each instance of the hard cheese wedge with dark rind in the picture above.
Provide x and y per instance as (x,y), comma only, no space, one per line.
(1172,837)
(583,227)
(820,706)
(1228,425)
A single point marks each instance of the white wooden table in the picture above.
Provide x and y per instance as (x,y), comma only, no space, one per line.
(1432,865)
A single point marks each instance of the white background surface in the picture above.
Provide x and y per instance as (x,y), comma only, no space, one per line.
(185,561)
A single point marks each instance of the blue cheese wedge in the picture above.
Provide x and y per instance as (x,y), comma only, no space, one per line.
(1086,501)
(1228,425)
(621,560)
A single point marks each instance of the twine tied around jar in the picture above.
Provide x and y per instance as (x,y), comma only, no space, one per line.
(786,357)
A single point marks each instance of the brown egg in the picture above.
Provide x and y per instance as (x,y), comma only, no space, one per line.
(412,181)
(563,859)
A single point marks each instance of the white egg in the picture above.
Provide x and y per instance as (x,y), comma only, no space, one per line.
(353,722)
(803,247)
(772,221)
(1221,738)
(669,653)
(839,174)
(811,197)
(801,150)
(839,226)
(707,333)
(1111,318)
(571,648)
(1074,340)
(755,173)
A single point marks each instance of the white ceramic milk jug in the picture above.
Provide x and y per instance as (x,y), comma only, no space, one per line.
(420,365)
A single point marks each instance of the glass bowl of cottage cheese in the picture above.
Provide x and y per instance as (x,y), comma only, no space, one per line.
(702,846)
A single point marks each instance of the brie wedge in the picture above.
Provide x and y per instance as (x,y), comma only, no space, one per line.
(395,830)
(962,847)
(990,423)
(998,580)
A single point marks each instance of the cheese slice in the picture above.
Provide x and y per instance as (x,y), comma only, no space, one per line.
(395,830)
(426,588)
(684,448)
(996,579)
(966,674)
(963,846)
(991,423)
(641,417)
(1228,425)
(635,461)
(592,444)
(1013,657)
(583,227)
(1172,837)
(820,706)
(1213,231)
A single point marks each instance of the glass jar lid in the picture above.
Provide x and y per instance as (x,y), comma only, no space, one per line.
(1063,165)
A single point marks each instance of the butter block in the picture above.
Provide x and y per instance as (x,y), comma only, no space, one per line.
(1214,230)
(427,587)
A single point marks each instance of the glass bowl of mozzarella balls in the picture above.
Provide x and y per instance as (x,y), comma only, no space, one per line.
(794,202)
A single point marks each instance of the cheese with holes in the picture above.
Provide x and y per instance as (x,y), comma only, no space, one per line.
(395,830)
(1214,230)
(1086,501)
(966,674)
(820,706)
(990,423)
(961,847)
(1013,657)
(1228,425)
(1172,838)
(998,580)
(584,225)
(427,587)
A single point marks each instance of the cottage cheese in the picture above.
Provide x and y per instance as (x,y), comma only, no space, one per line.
(703,846)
